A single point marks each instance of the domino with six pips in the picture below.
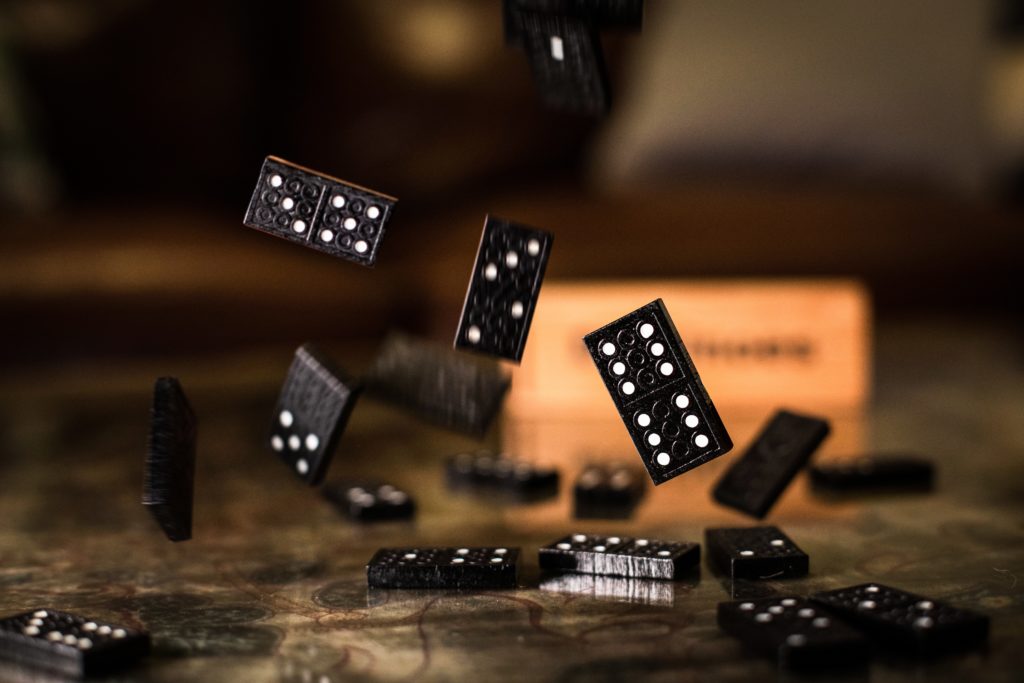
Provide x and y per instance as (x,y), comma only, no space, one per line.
(446,568)
(620,556)
(798,634)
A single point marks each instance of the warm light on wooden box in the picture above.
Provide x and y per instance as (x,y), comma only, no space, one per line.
(756,343)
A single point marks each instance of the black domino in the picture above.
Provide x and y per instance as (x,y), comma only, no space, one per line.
(610,14)
(624,14)
(370,501)
(68,644)
(638,558)
(510,477)
(761,552)
(311,413)
(657,392)
(616,588)
(567,62)
(318,211)
(873,473)
(503,289)
(906,621)
(754,482)
(607,491)
(796,633)
(449,568)
(441,386)
(168,481)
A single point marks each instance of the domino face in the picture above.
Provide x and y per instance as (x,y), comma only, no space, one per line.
(318,211)
(312,411)
(503,289)
(511,477)
(68,644)
(620,556)
(657,392)
(441,386)
(795,632)
(762,552)
(604,491)
(567,62)
(904,620)
(371,501)
(754,482)
(869,474)
(451,568)
(168,482)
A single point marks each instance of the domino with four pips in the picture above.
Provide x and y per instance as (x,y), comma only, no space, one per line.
(311,413)
(503,289)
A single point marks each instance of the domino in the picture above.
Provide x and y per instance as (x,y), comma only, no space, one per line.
(607,491)
(657,392)
(637,558)
(613,14)
(312,410)
(906,621)
(371,502)
(503,289)
(318,211)
(566,61)
(68,644)
(512,477)
(871,474)
(617,588)
(441,386)
(168,481)
(754,482)
(450,568)
(793,631)
(762,552)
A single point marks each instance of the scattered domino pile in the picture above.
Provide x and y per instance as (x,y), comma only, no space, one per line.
(654,387)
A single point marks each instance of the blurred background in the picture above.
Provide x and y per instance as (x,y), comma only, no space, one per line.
(829,196)
(868,139)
